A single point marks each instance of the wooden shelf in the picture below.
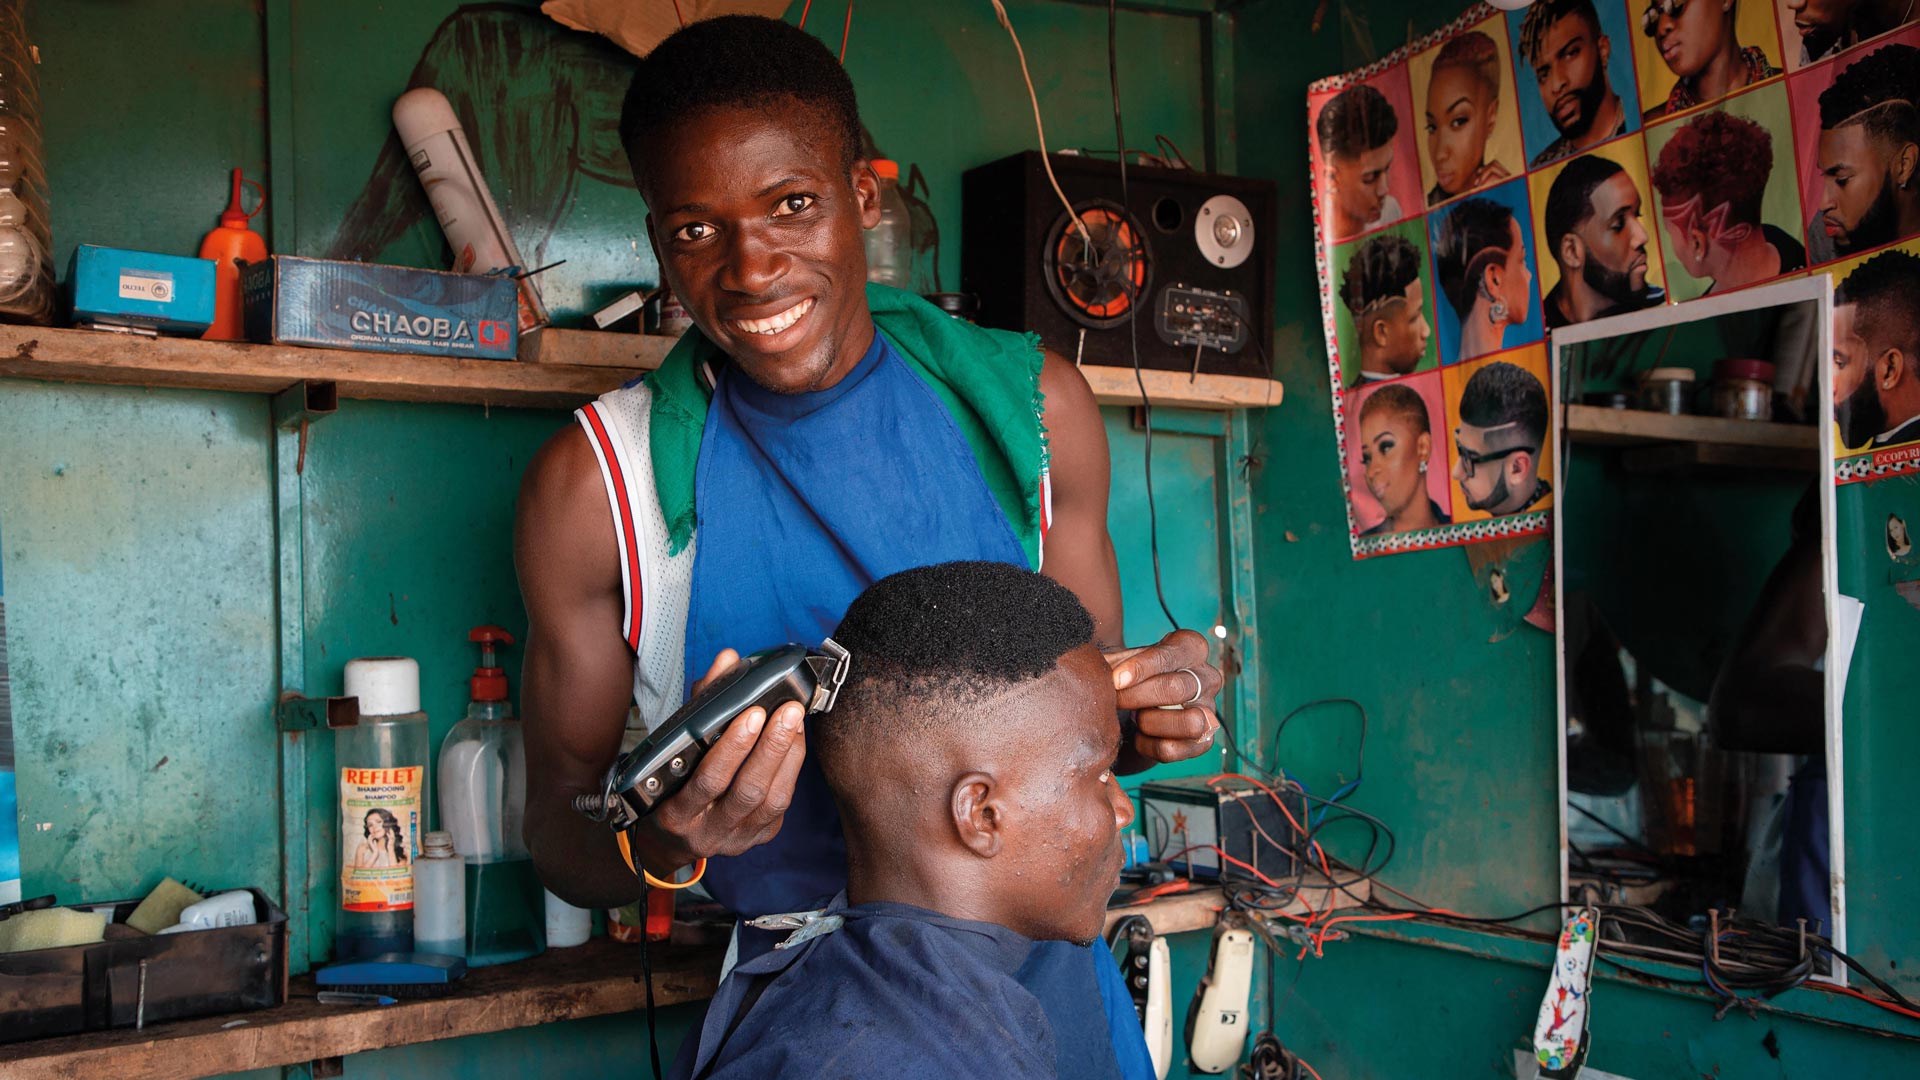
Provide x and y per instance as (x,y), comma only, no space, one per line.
(558,369)
(595,979)
(1633,427)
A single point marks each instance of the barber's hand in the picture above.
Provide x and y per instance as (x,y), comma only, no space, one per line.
(738,794)
(1155,675)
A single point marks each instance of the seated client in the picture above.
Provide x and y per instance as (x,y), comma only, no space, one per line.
(971,755)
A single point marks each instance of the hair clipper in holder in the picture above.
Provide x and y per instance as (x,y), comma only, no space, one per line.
(657,768)
(1145,968)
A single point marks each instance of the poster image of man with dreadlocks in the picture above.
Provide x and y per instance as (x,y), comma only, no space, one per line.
(1576,88)
(1859,134)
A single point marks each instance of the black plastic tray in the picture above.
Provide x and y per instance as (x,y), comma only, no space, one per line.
(95,987)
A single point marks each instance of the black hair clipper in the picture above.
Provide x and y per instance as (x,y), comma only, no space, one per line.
(662,763)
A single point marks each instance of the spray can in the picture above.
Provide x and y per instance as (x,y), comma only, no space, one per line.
(231,243)
(383,806)
(437,146)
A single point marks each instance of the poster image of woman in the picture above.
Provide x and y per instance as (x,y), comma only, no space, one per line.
(1698,41)
(382,845)
(1462,110)
(1483,269)
(1396,463)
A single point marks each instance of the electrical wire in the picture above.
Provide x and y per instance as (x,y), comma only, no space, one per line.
(844,32)
(678,15)
(804,8)
(1000,12)
(1133,316)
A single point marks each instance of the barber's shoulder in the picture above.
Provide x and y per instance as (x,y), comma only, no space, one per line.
(562,519)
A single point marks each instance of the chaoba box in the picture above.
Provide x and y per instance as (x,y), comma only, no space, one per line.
(349,305)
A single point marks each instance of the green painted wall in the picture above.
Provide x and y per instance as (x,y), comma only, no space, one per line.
(1461,756)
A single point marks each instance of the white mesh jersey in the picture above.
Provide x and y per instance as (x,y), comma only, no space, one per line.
(656,585)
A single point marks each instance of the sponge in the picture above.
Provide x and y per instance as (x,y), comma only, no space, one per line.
(51,928)
(162,907)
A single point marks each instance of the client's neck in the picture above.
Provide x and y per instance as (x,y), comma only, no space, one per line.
(953,887)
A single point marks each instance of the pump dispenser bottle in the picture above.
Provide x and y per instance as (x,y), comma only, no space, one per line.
(483,798)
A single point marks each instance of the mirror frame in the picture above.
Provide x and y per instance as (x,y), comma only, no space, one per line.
(1818,289)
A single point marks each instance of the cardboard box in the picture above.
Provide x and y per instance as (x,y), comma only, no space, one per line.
(113,287)
(348,305)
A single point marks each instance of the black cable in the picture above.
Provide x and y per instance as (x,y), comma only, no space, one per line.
(646,973)
(1133,313)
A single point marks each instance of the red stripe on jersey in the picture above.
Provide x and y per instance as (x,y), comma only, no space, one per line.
(626,522)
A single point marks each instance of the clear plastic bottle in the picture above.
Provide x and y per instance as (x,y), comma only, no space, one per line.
(384,795)
(890,243)
(440,898)
(483,799)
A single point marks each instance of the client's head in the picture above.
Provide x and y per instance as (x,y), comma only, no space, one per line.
(971,750)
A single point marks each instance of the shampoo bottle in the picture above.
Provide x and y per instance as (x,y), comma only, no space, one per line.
(483,799)
(383,806)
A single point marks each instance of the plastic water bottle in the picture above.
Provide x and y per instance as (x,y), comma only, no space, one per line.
(440,898)
(890,243)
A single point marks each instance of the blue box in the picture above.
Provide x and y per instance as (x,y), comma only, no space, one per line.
(113,287)
(291,300)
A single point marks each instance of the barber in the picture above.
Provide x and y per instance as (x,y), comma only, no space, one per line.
(786,455)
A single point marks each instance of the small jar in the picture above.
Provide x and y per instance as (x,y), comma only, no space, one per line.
(1743,389)
(1666,390)
(1607,399)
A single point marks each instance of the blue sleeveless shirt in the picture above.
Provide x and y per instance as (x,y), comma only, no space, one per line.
(802,501)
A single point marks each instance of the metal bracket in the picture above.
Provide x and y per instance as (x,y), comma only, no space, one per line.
(303,403)
(296,713)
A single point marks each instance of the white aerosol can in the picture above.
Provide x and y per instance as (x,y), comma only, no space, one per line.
(437,146)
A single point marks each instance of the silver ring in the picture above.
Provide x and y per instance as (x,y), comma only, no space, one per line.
(1198,688)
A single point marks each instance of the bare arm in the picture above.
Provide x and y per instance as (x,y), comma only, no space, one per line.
(1079,554)
(578,675)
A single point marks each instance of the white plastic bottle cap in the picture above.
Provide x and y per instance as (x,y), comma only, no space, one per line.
(385,685)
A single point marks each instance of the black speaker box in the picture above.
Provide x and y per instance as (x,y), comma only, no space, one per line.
(1189,256)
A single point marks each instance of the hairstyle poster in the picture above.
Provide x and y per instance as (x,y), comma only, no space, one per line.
(1515,173)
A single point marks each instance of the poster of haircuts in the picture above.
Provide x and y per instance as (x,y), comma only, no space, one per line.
(1521,171)
(9,808)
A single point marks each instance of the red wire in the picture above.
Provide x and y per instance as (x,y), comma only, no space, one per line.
(1303,1064)
(804,8)
(1887,1005)
(844,31)
(676,11)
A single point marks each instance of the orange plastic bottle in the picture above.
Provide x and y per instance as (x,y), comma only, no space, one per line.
(229,245)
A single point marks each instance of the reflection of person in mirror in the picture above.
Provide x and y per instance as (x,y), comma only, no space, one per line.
(1770,697)
(1481,267)
(1503,426)
(1463,100)
(1876,352)
(382,844)
(1698,41)
(1356,131)
(1382,289)
(1825,27)
(1594,231)
(1869,152)
(1562,41)
(1712,177)
(1396,442)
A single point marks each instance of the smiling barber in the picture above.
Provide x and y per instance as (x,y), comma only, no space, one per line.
(812,435)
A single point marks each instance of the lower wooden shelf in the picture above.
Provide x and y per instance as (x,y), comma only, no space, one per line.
(595,979)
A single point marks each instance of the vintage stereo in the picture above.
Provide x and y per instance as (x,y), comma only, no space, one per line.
(1188,258)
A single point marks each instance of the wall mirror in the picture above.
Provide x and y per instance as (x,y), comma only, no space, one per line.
(1696,611)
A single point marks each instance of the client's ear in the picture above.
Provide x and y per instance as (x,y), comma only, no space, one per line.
(978,815)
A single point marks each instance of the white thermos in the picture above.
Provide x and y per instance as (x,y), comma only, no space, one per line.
(437,146)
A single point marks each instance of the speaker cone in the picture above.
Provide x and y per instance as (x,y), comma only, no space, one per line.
(1097,278)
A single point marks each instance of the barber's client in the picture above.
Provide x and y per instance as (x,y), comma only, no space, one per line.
(971,754)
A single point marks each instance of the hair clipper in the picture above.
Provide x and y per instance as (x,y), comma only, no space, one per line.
(661,764)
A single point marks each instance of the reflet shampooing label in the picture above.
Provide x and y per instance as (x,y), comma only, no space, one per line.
(379,837)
